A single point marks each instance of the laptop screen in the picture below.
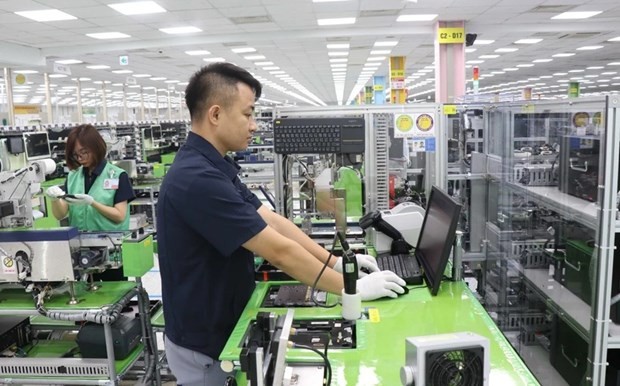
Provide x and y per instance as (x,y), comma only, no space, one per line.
(437,236)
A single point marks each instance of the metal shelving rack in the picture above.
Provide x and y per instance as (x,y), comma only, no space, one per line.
(504,235)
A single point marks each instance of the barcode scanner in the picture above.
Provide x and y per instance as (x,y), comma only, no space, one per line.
(349,266)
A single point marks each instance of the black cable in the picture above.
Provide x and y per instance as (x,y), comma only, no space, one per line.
(316,281)
(328,365)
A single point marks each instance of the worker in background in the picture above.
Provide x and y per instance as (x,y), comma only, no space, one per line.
(96,193)
(210,226)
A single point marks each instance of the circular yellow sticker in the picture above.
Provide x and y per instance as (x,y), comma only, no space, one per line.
(424,122)
(20,78)
(8,262)
(404,123)
(581,119)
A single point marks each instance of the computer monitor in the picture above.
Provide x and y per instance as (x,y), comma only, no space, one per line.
(437,236)
(37,145)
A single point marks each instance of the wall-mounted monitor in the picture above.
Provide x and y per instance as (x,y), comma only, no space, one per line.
(37,145)
(15,145)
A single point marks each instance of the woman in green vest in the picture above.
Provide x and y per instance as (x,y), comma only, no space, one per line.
(97,192)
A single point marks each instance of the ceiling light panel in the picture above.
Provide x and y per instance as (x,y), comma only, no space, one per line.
(46,15)
(243,50)
(422,17)
(575,15)
(386,43)
(180,30)
(98,67)
(336,21)
(108,35)
(198,52)
(338,46)
(137,7)
(69,61)
(589,48)
(528,41)
(254,57)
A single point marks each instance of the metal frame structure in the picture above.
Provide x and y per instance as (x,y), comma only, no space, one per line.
(376,179)
(45,371)
(601,219)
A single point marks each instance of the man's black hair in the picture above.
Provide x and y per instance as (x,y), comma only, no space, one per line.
(216,84)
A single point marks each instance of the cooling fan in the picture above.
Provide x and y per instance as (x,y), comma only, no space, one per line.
(458,359)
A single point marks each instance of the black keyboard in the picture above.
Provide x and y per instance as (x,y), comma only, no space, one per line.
(404,265)
(318,135)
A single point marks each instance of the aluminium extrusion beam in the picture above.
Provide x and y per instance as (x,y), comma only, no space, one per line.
(599,322)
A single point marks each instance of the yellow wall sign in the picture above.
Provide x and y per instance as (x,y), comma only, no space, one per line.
(451,35)
(449,109)
(378,87)
(397,73)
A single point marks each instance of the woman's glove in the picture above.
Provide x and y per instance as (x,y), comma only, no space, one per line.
(380,284)
(54,192)
(80,199)
(363,261)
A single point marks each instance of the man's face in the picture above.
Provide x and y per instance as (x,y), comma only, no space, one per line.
(237,120)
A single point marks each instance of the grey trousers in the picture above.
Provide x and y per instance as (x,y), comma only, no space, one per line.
(192,368)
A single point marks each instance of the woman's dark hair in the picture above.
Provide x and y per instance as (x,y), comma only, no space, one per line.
(216,84)
(90,139)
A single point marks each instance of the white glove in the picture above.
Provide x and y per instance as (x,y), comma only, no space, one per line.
(380,284)
(54,192)
(363,261)
(80,199)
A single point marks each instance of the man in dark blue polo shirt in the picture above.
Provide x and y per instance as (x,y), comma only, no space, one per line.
(209,226)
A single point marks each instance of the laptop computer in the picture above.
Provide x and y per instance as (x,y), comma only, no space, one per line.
(430,257)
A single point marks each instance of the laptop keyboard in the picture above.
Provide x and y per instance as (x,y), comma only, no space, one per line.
(404,266)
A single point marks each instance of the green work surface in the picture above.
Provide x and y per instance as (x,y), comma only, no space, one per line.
(56,348)
(380,351)
(109,293)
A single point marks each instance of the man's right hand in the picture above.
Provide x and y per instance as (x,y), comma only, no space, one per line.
(54,192)
(380,284)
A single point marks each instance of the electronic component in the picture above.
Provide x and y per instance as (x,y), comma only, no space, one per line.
(319,135)
(293,295)
(14,331)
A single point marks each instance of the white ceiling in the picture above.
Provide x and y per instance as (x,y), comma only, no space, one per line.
(287,34)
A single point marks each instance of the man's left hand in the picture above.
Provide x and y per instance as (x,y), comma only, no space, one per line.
(363,261)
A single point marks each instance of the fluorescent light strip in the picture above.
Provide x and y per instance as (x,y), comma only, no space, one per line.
(98,67)
(254,57)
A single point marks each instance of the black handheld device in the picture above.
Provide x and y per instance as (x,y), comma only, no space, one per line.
(349,266)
